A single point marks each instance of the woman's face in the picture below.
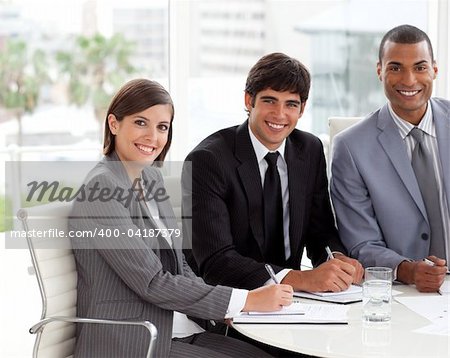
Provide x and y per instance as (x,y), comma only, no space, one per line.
(141,137)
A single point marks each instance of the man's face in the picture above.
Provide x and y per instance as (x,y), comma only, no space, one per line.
(273,115)
(407,72)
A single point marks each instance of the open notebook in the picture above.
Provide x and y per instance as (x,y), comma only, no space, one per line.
(351,295)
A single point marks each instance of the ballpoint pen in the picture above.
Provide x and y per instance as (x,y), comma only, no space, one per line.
(271,273)
(329,253)
(428,262)
(431,263)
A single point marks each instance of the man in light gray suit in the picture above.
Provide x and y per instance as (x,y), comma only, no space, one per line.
(384,212)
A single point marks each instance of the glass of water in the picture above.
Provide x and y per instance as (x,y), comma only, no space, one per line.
(377,294)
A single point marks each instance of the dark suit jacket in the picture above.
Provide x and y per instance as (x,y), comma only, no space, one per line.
(227,207)
(127,274)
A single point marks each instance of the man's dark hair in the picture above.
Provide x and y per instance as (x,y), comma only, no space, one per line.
(280,73)
(405,34)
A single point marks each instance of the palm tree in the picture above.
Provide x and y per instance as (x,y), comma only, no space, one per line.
(94,69)
(22,74)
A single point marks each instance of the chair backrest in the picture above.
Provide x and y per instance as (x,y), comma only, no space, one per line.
(54,265)
(337,125)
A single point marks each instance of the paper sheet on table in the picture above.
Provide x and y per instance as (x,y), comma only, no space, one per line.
(293,308)
(434,308)
(320,314)
(445,288)
(440,329)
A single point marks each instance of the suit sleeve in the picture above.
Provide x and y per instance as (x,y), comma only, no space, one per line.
(132,259)
(205,190)
(357,222)
(321,229)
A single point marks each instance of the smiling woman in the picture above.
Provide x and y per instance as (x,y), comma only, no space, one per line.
(131,265)
(139,122)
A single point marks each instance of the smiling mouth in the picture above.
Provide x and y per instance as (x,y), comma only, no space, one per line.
(275,125)
(408,93)
(145,149)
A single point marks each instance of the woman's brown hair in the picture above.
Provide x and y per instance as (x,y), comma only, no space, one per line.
(134,97)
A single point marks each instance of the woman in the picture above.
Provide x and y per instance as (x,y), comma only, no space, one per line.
(128,271)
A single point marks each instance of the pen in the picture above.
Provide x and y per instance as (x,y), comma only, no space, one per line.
(431,263)
(428,262)
(271,273)
(329,253)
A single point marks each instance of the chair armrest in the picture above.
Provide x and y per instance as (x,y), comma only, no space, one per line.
(148,325)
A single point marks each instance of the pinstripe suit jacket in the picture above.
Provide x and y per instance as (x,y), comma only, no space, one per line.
(131,277)
(227,207)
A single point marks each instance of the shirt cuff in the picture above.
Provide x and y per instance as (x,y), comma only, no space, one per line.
(280,276)
(237,302)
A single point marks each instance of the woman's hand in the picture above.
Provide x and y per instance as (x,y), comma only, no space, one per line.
(269,298)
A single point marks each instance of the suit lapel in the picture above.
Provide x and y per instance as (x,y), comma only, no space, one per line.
(395,149)
(297,183)
(441,117)
(250,177)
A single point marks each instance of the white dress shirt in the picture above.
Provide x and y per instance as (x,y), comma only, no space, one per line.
(261,151)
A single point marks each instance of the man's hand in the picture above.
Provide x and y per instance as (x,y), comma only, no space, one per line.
(334,275)
(427,278)
(359,270)
(268,298)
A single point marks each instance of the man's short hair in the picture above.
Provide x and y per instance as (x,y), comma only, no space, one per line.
(405,34)
(280,73)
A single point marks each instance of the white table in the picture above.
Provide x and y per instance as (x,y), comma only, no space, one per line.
(356,339)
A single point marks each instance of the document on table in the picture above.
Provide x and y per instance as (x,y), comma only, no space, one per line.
(434,308)
(352,289)
(311,314)
(445,288)
(351,295)
(292,309)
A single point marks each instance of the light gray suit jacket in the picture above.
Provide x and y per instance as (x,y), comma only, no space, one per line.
(127,276)
(380,212)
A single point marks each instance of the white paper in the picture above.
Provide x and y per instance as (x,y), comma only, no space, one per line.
(293,308)
(352,289)
(445,288)
(312,314)
(434,308)
(440,329)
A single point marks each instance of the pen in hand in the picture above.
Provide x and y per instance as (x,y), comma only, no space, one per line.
(429,262)
(271,273)
(329,253)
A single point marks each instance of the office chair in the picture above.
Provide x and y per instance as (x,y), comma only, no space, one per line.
(55,269)
(336,125)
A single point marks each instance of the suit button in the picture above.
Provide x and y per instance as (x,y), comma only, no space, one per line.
(424,236)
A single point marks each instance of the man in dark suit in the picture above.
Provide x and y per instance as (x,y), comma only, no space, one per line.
(234,229)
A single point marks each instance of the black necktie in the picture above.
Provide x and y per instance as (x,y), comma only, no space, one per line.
(422,163)
(273,212)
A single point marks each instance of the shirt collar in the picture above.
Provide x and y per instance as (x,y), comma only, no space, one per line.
(261,150)
(426,124)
